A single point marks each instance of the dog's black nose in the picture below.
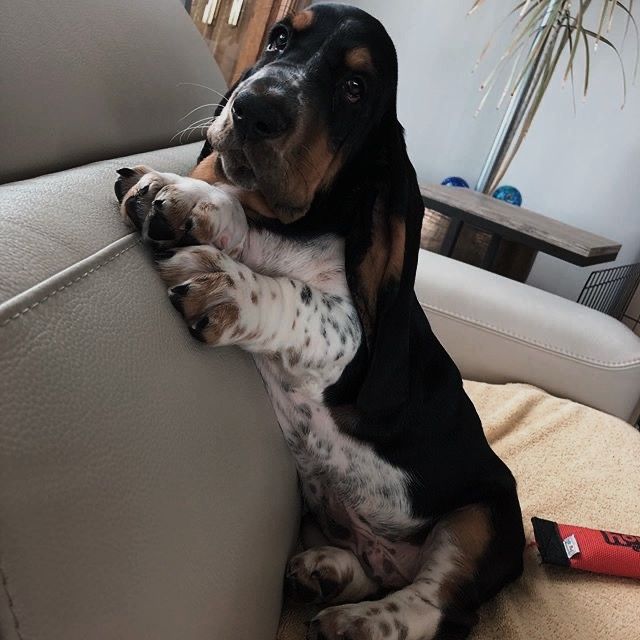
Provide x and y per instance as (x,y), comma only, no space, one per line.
(259,116)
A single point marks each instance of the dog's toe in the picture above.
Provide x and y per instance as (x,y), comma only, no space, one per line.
(127,178)
(159,228)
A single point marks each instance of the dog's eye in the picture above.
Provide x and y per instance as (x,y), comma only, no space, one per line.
(354,89)
(279,40)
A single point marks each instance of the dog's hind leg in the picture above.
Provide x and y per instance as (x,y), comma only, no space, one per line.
(441,601)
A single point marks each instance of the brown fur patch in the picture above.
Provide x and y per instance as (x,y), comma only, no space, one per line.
(203,288)
(308,150)
(293,356)
(209,261)
(387,566)
(209,170)
(203,215)
(370,272)
(303,20)
(238,331)
(401,628)
(331,172)
(221,318)
(318,164)
(396,253)
(206,170)
(382,262)
(471,532)
(359,59)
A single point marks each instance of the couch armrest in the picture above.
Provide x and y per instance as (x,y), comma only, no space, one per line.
(499,330)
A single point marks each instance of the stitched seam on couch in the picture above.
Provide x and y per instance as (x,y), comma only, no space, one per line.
(467,319)
(530,341)
(58,289)
(10,602)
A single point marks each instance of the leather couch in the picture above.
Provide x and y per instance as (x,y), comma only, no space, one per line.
(145,488)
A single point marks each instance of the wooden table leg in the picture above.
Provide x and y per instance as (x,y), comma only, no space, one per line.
(514,260)
(451,238)
(492,252)
(488,262)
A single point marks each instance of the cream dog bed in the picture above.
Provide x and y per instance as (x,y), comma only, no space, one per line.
(574,465)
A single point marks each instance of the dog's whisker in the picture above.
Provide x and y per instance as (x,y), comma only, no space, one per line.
(198,124)
(202,106)
(206,120)
(203,86)
(188,130)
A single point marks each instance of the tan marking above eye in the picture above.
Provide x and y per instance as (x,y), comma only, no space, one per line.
(303,20)
(359,59)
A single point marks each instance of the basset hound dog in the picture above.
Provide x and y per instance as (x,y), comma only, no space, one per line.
(296,237)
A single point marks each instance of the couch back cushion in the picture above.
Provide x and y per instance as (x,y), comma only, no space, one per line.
(84,81)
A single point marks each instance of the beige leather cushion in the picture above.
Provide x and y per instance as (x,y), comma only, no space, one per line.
(51,222)
(84,81)
(145,488)
(499,330)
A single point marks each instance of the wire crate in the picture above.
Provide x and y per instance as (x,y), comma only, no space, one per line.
(611,290)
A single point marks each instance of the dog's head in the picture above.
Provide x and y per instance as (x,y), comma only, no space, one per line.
(324,80)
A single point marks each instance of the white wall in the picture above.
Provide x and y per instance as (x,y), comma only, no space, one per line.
(582,169)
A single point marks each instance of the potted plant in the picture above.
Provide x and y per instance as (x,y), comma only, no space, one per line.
(545,30)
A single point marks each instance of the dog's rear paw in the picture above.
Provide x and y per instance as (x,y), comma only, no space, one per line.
(355,622)
(318,575)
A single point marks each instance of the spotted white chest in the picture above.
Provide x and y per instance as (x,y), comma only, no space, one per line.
(337,472)
(360,500)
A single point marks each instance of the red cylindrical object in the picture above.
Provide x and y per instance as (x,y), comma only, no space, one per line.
(616,554)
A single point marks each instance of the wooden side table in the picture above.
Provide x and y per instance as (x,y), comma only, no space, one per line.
(512,235)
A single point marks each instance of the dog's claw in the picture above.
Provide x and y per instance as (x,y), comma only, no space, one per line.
(163,254)
(131,208)
(196,329)
(180,289)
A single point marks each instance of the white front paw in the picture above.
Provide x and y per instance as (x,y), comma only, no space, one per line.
(172,210)
(191,212)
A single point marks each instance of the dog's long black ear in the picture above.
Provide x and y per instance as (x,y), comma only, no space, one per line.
(381,257)
(207,150)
